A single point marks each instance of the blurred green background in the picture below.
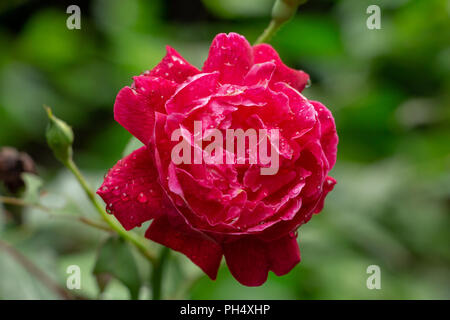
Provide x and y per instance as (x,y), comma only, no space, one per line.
(388,90)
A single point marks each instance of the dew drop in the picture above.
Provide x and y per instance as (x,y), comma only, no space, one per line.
(124,197)
(308,84)
(293,234)
(116,191)
(142,198)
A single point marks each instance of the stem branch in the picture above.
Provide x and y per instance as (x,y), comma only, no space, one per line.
(36,271)
(21,203)
(133,238)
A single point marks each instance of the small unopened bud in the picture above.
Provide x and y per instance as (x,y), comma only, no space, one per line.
(59,137)
(283,10)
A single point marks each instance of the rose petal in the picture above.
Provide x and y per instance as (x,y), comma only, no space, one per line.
(329,138)
(327,187)
(231,55)
(156,90)
(247,260)
(173,67)
(250,259)
(202,251)
(260,74)
(295,78)
(130,190)
(193,93)
(135,107)
(284,254)
(133,112)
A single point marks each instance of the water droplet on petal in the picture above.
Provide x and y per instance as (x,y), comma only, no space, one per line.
(124,197)
(308,84)
(293,234)
(142,198)
(116,191)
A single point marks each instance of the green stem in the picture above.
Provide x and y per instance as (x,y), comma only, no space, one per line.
(269,32)
(282,11)
(128,236)
(157,274)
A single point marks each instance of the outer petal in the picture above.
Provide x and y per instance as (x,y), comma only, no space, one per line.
(202,251)
(173,67)
(247,260)
(231,55)
(250,259)
(135,107)
(284,254)
(329,138)
(156,90)
(130,190)
(327,187)
(295,78)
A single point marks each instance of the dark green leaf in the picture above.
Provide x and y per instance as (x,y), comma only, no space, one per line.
(115,259)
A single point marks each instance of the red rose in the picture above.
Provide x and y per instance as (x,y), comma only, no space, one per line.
(207,210)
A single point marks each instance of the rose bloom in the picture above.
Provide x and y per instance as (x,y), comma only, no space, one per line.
(210,210)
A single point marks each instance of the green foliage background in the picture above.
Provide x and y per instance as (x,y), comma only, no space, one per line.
(388,90)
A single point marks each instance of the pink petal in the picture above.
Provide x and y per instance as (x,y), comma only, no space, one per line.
(193,93)
(231,55)
(305,114)
(173,67)
(295,78)
(134,113)
(327,187)
(329,138)
(247,260)
(284,254)
(156,90)
(135,107)
(250,259)
(130,190)
(202,251)
(260,74)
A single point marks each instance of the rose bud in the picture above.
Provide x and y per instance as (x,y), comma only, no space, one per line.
(59,137)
